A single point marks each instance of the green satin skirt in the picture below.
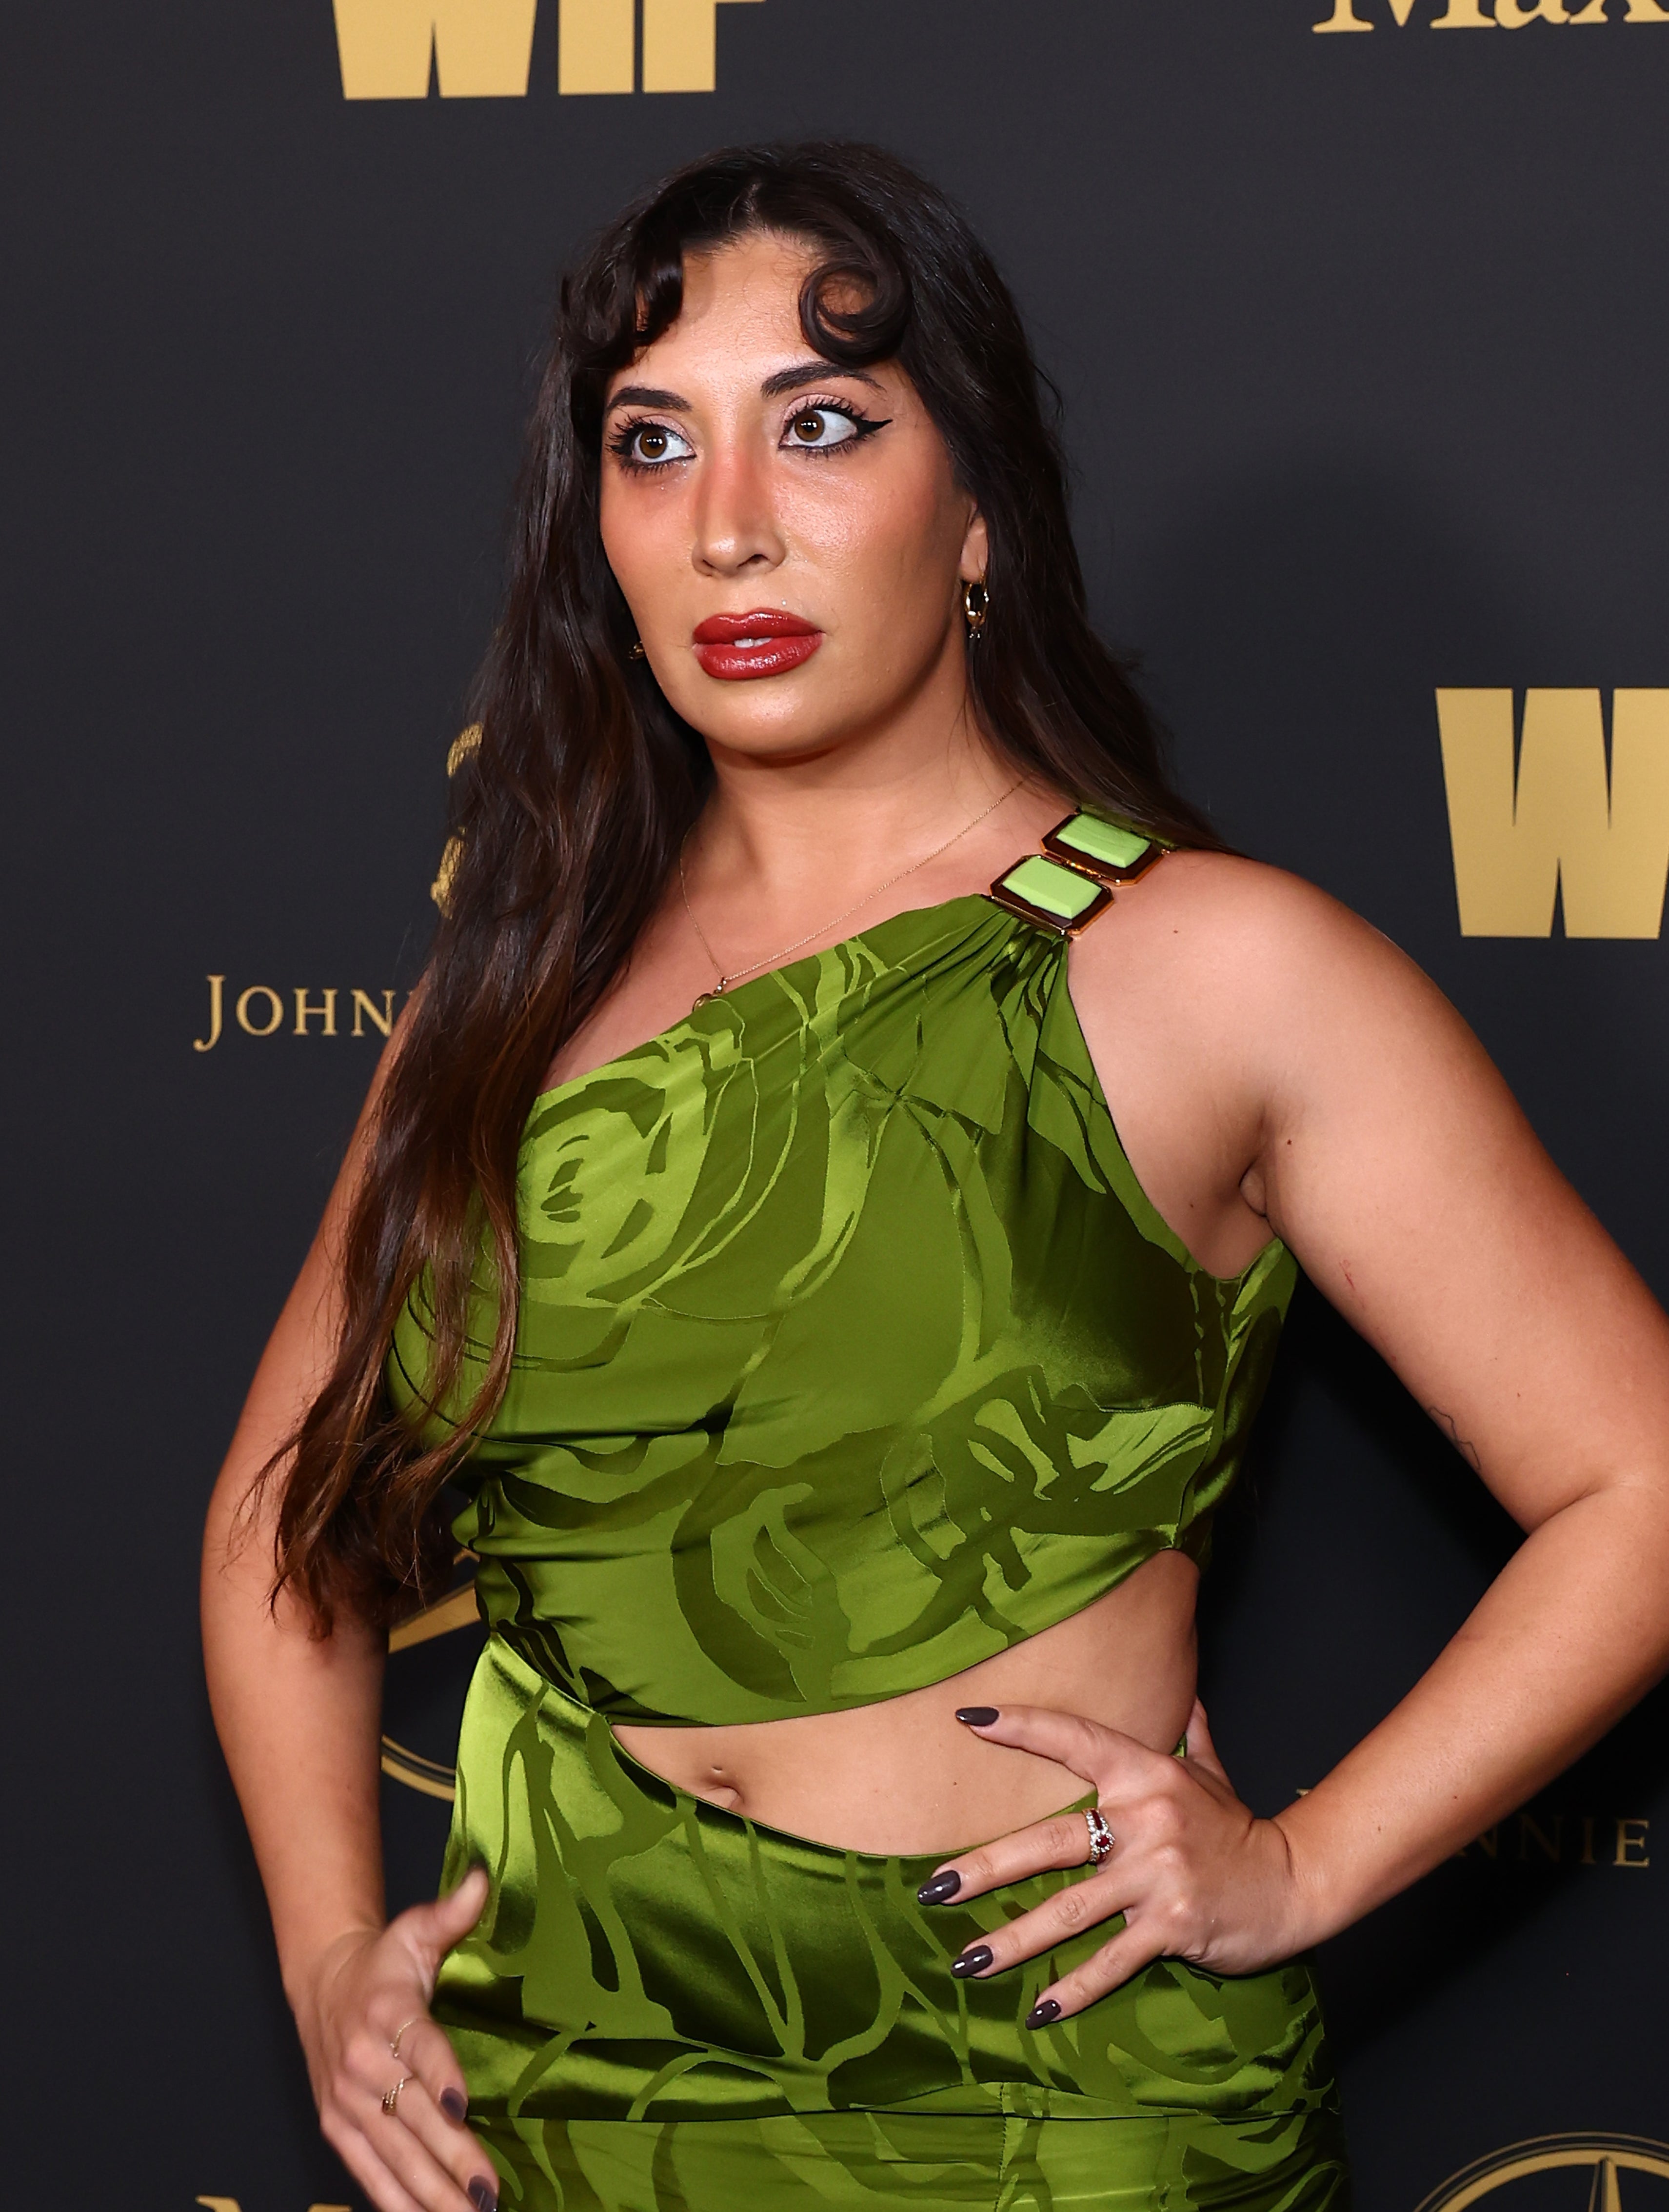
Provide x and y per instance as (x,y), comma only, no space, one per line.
(667,2008)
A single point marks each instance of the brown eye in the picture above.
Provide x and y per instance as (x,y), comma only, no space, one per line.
(650,445)
(820,428)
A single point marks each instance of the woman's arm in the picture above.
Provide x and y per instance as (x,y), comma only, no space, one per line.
(1401,1171)
(299,1719)
(1350,1106)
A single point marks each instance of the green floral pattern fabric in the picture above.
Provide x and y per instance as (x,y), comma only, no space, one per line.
(867,2161)
(850,1353)
(647,1956)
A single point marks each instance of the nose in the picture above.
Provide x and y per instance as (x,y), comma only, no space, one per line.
(736,530)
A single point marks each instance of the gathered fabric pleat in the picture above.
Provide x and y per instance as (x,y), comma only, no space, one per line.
(903,2162)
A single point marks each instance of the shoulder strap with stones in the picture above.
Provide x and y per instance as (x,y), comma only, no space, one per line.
(1084,859)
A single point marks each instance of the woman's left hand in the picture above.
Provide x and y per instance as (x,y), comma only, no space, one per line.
(1194,1873)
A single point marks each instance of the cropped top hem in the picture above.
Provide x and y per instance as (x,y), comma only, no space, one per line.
(884,1679)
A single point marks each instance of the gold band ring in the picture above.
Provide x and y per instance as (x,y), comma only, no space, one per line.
(395,2045)
(392,2097)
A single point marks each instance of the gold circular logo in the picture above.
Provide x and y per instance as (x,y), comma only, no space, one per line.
(458,1609)
(1606,2157)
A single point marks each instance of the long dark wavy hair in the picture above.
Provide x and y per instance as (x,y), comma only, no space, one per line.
(570,811)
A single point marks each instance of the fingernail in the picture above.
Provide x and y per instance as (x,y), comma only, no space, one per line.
(455,2104)
(971,1961)
(1041,2014)
(483,2195)
(977,1716)
(940,1888)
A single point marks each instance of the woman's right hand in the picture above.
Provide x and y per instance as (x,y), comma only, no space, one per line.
(368,1989)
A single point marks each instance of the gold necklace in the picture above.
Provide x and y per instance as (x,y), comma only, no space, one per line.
(727,976)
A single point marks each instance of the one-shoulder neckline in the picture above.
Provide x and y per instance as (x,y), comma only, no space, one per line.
(603,1067)
(1265,1256)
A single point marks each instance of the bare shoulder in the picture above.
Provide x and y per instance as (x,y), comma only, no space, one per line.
(1243,949)
(1217,912)
(1243,1021)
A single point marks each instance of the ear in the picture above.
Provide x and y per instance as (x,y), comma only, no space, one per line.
(976,550)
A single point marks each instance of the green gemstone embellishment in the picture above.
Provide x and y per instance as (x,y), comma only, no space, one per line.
(1051,888)
(1102,841)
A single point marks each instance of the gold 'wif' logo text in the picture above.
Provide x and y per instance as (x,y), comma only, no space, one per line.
(483,49)
(1475,15)
(1543,815)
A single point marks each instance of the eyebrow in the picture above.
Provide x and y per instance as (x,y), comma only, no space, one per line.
(775,387)
(809,372)
(646,395)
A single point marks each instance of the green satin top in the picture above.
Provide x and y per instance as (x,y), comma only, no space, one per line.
(849,1352)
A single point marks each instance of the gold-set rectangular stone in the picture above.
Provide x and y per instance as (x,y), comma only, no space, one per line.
(1067,884)
(1108,849)
(1043,891)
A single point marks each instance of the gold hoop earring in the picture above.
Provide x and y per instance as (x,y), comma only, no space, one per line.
(975,601)
(637,652)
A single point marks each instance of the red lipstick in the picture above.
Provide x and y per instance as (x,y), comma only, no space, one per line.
(765,643)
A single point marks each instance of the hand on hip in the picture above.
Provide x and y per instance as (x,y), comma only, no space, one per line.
(1193,1872)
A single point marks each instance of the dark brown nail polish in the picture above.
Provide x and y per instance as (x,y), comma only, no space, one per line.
(454,2104)
(1042,2014)
(974,1961)
(977,1716)
(939,1889)
(483,2195)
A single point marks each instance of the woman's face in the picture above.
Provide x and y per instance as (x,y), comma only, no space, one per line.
(787,534)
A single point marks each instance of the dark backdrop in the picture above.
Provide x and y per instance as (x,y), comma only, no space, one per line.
(1363,341)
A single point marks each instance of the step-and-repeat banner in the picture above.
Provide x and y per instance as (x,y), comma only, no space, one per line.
(1359,313)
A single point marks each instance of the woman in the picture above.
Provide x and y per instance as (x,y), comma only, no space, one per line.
(841,1382)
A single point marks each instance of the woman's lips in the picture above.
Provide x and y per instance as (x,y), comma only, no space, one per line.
(765,643)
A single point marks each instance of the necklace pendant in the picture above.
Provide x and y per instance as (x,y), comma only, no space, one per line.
(707,998)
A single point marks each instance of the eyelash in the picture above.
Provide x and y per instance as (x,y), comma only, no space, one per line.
(864,426)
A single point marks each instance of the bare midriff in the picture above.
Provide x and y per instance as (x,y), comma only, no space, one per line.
(906,1776)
